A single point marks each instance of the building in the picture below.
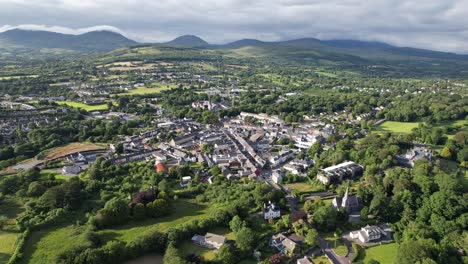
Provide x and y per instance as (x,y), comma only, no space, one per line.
(284,244)
(281,157)
(161,167)
(337,173)
(304,260)
(271,210)
(368,234)
(347,202)
(71,169)
(414,155)
(210,240)
(277,176)
(185,181)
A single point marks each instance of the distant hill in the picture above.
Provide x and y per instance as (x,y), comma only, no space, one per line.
(188,41)
(87,42)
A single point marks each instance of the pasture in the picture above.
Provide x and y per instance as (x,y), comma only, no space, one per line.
(83,106)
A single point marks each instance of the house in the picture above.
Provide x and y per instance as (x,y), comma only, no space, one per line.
(71,169)
(271,210)
(337,173)
(161,167)
(305,260)
(277,176)
(368,234)
(284,244)
(414,155)
(210,240)
(185,181)
(347,202)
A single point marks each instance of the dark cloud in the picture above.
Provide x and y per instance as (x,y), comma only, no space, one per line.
(432,24)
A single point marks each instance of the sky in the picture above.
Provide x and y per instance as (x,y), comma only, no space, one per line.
(431,24)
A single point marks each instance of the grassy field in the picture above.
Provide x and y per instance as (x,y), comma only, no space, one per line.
(384,254)
(43,245)
(58,152)
(185,211)
(8,234)
(302,187)
(154,88)
(321,259)
(83,106)
(396,127)
(326,74)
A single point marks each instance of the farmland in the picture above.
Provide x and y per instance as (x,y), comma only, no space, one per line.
(83,106)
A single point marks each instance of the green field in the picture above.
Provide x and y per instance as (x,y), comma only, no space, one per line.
(327,74)
(396,127)
(154,88)
(42,246)
(302,187)
(8,234)
(384,254)
(83,106)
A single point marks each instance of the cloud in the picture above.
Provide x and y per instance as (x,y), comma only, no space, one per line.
(432,24)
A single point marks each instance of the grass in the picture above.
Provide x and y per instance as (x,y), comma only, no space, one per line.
(68,149)
(326,74)
(321,259)
(396,127)
(335,242)
(185,210)
(8,235)
(302,187)
(43,245)
(384,254)
(153,88)
(83,106)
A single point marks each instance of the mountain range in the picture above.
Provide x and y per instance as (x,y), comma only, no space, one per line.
(101,41)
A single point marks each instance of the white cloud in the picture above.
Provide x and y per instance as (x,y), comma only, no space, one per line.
(433,24)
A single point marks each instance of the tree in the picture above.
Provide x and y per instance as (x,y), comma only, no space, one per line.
(286,220)
(446,153)
(410,252)
(139,211)
(36,189)
(312,237)
(172,256)
(236,224)
(245,239)
(3,221)
(227,255)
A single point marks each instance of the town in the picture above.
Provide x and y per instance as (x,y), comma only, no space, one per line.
(157,153)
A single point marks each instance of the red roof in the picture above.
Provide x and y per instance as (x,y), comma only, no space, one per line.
(161,167)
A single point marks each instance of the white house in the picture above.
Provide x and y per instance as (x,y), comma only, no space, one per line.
(210,240)
(367,234)
(185,181)
(304,260)
(277,176)
(271,210)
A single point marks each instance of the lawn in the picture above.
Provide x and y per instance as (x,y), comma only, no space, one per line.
(302,187)
(42,245)
(11,209)
(83,106)
(336,243)
(321,259)
(384,254)
(396,127)
(153,88)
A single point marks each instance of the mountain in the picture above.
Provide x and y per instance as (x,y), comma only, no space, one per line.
(242,43)
(189,41)
(88,42)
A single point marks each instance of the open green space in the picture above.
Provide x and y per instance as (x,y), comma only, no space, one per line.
(184,211)
(396,127)
(384,254)
(42,246)
(9,232)
(327,74)
(336,244)
(83,106)
(321,259)
(153,88)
